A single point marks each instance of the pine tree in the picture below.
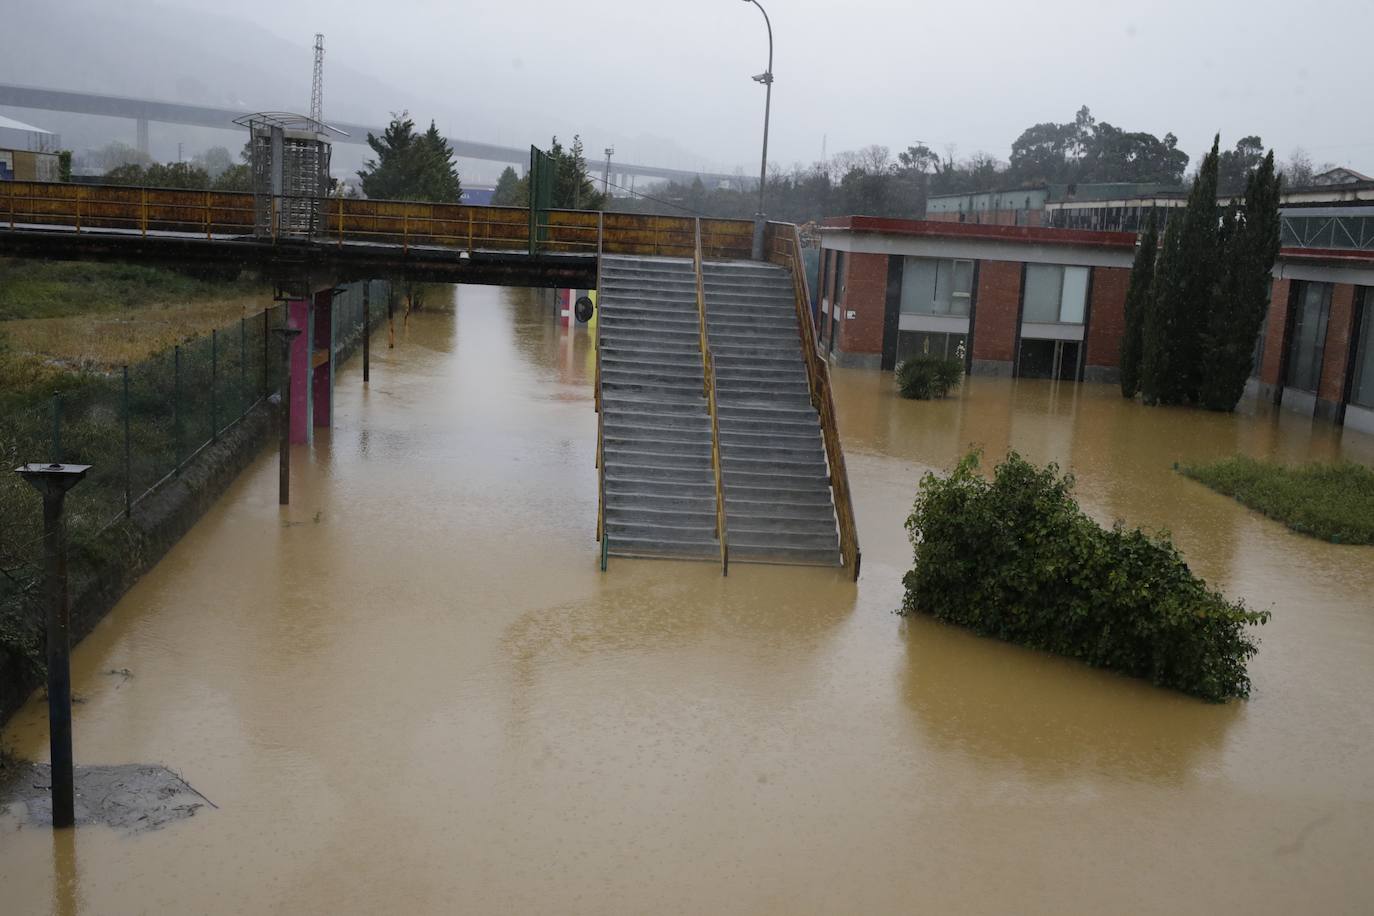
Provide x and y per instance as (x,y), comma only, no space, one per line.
(1158,358)
(572,187)
(410,166)
(511,190)
(1251,244)
(1138,295)
(439,180)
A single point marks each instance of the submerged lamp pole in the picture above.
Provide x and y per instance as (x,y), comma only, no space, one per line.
(766,77)
(287,334)
(53,481)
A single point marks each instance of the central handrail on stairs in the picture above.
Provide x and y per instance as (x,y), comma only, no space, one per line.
(786,251)
(600,414)
(708,382)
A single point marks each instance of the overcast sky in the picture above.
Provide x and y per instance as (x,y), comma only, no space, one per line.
(849,73)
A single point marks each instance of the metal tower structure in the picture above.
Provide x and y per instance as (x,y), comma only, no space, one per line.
(317,85)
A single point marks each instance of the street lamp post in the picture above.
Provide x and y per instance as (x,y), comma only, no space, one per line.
(53,481)
(766,78)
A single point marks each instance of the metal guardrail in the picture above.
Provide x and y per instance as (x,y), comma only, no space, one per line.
(785,249)
(708,376)
(231,215)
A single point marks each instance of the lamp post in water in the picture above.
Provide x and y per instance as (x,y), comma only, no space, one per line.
(766,78)
(287,334)
(53,481)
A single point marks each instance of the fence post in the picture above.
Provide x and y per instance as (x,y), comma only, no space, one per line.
(267,349)
(367,330)
(214,383)
(57,427)
(128,467)
(243,367)
(176,409)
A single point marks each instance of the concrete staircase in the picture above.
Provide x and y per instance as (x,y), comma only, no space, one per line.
(778,501)
(660,486)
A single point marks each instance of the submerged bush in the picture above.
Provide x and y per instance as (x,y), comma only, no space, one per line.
(1017,559)
(926,377)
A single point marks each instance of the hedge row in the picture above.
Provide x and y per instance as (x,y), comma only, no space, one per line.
(1015,558)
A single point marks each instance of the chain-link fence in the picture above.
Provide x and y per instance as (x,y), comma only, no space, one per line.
(137,428)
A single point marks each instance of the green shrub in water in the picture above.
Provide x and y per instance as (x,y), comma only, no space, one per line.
(1016,558)
(925,377)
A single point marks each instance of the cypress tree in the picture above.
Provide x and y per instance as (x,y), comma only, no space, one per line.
(1158,358)
(1186,286)
(1139,293)
(1250,245)
(1202,275)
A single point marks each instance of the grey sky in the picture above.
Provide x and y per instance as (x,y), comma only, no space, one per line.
(672,80)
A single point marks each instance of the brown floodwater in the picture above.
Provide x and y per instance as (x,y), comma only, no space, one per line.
(413,690)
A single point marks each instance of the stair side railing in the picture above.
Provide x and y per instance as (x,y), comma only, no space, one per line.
(601,536)
(708,382)
(787,251)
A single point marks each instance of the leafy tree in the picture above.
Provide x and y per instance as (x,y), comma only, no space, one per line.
(1138,295)
(64,165)
(410,166)
(158,175)
(1236,164)
(237,177)
(510,190)
(215,161)
(1250,246)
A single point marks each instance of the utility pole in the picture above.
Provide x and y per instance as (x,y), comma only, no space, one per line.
(606,179)
(287,334)
(53,481)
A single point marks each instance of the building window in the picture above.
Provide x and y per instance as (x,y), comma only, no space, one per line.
(1362,391)
(1055,295)
(1309,336)
(936,287)
(930,343)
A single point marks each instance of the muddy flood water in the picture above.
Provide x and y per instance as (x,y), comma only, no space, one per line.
(413,691)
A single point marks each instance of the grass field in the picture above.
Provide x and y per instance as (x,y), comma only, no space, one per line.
(1334,502)
(61,321)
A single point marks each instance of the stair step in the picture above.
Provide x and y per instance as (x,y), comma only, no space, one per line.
(643,431)
(786,556)
(639,455)
(820,512)
(743,537)
(794,481)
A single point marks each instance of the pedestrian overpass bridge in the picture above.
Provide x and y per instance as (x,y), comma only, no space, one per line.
(716,424)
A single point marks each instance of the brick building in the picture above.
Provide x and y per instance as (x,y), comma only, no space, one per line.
(1035,302)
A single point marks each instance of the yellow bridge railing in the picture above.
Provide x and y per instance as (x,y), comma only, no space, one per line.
(341,220)
(784,248)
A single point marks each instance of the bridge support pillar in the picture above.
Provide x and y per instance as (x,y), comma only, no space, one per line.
(141,136)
